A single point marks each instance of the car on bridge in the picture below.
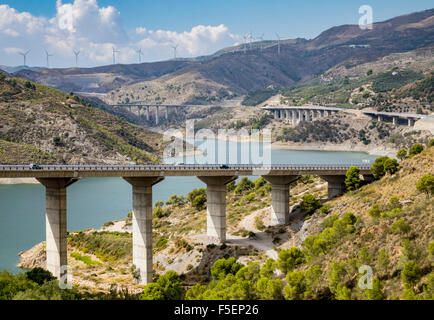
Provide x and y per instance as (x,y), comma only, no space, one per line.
(34,166)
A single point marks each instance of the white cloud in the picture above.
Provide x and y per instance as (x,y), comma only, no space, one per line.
(84,25)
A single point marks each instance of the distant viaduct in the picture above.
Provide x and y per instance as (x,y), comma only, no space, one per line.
(310,113)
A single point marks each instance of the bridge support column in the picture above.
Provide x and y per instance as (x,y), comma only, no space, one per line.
(280,197)
(167,113)
(294,118)
(276,116)
(300,116)
(147,113)
(307,114)
(142,225)
(322,113)
(55,224)
(410,122)
(157,116)
(139,110)
(395,121)
(216,206)
(336,185)
(380,118)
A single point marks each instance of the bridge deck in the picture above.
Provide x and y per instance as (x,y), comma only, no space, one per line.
(82,171)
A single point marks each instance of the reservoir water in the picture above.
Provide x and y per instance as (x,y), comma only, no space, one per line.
(93,201)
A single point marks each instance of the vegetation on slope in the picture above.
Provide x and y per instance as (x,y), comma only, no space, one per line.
(62,126)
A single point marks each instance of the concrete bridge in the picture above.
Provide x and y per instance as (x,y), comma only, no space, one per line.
(137,107)
(299,114)
(397,118)
(57,178)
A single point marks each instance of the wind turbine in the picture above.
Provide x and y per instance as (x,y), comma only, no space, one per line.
(48,58)
(24,54)
(174,49)
(77,53)
(278,43)
(114,55)
(140,54)
(246,39)
(262,40)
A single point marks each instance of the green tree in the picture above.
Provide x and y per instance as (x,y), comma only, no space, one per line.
(391,166)
(377,168)
(269,289)
(394,204)
(369,72)
(430,143)
(297,286)
(245,184)
(352,178)
(400,226)
(426,185)
(415,149)
(402,154)
(376,293)
(267,269)
(383,261)
(410,274)
(222,267)
(260,182)
(199,202)
(310,204)
(167,287)
(39,275)
(288,259)
(196,292)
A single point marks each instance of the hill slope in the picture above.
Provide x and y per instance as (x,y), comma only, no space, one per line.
(261,66)
(42,124)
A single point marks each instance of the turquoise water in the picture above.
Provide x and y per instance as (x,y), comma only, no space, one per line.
(91,202)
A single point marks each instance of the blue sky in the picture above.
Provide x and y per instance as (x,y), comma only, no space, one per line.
(223,20)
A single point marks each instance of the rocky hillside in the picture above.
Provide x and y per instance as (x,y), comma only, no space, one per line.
(41,124)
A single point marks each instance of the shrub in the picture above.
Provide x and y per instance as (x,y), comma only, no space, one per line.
(259,223)
(260,182)
(222,267)
(39,276)
(377,168)
(369,72)
(376,293)
(426,184)
(244,185)
(297,286)
(375,211)
(402,154)
(199,202)
(394,203)
(290,258)
(391,166)
(194,193)
(415,149)
(430,143)
(250,197)
(325,209)
(167,287)
(400,226)
(410,274)
(352,178)
(310,204)
(269,289)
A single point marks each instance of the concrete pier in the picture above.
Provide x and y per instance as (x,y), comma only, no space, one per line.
(280,197)
(147,113)
(294,118)
(56,224)
(395,120)
(336,185)
(157,116)
(167,113)
(142,225)
(307,115)
(216,206)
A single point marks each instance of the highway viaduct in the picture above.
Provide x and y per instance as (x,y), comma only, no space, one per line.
(156,115)
(300,114)
(309,113)
(57,178)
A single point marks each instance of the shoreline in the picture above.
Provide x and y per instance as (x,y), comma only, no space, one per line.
(378,151)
